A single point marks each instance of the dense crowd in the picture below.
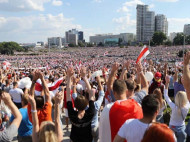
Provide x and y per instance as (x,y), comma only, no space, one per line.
(104,93)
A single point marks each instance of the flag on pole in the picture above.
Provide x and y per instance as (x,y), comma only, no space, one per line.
(144,52)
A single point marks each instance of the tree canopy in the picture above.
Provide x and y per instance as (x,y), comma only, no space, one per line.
(179,39)
(158,38)
(8,48)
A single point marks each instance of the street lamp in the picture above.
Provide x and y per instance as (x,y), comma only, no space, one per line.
(183,43)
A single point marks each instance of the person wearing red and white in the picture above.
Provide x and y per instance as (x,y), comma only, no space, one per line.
(116,113)
(133,129)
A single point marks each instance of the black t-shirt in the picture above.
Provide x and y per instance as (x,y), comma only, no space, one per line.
(81,128)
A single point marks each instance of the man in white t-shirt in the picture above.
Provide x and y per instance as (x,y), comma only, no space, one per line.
(16,94)
(115,114)
(133,129)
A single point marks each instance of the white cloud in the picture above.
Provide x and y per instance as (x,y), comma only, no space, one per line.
(151,6)
(35,28)
(167,0)
(125,23)
(3,1)
(129,5)
(98,1)
(177,24)
(22,5)
(57,2)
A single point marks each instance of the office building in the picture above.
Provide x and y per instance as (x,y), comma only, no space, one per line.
(161,24)
(55,41)
(81,36)
(73,36)
(103,38)
(186,29)
(145,23)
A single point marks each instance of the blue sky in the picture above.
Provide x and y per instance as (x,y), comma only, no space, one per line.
(35,20)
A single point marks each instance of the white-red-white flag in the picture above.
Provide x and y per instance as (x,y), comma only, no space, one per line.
(106,53)
(144,52)
(54,87)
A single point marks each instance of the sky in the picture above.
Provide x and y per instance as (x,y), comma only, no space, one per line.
(29,21)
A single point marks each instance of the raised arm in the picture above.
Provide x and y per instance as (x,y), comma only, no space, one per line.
(83,75)
(58,99)
(70,74)
(45,88)
(111,78)
(186,74)
(126,67)
(32,88)
(175,75)
(144,82)
(16,113)
(35,122)
(168,100)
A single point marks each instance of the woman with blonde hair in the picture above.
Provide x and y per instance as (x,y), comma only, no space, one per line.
(48,131)
(180,110)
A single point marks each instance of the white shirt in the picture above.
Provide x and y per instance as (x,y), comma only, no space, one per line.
(83,84)
(16,94)
(104,126)
(133,130)
(176,117)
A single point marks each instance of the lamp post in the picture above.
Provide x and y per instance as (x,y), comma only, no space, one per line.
(183,43)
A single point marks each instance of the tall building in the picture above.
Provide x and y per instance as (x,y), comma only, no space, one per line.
(72,35)
(55,41)
(73,38)
(80,35)
(161,24)
(145,23)
(186,29)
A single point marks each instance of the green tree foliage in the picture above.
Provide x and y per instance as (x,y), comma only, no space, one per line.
(168,43)
(179,39)
(71,45)
(181,52)
(158,38)
(81,44)
(9,48)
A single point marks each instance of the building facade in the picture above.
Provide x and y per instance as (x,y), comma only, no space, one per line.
(161,24)
(55,41)
(73,36)
(103,38)
(186,29)
(145,25)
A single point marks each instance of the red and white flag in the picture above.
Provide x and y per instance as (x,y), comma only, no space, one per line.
(120,110)
(6,65)
(106,53)
(144,52)
(53,88)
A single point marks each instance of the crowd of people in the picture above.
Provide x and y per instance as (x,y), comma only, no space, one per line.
(105,95)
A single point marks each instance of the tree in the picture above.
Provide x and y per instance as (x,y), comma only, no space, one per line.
(168,43)
(120,41)
(81,44)
(181,52)
(71,45)
(179,39)
(100,44)
(9,48)
(158,38)
(140,44)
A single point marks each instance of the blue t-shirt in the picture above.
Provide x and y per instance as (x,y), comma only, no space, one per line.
(25,128)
